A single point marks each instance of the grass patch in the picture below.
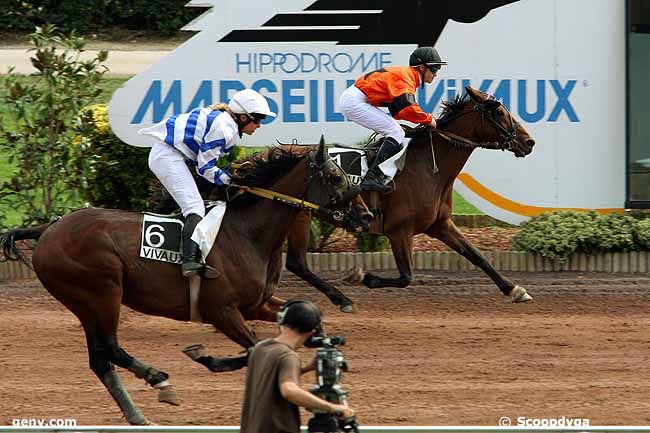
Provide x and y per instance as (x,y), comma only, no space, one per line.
(109,85)
(463,207)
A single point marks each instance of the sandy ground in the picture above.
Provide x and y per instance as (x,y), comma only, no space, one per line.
(118,62)
(127,57)
(449,350)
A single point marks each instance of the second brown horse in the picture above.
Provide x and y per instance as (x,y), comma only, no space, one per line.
(422,200)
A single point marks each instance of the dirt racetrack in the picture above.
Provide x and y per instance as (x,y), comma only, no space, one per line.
(449,350)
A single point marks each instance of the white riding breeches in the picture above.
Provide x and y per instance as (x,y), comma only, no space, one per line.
(170,168)
(355,107)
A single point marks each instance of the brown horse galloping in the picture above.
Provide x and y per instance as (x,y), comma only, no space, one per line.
(89,261)
(422,200)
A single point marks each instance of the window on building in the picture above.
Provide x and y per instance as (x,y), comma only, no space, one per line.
(638,170)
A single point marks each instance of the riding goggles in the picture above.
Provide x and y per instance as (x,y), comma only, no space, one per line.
(256,117)
(433,67)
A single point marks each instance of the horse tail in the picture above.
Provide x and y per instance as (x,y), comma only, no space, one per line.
(8,246)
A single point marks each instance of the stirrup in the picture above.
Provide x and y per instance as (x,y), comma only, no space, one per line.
(191,269)
(209,272)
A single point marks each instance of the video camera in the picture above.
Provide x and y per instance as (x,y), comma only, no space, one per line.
(330,362)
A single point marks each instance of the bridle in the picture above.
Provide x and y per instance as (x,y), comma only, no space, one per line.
(337,199)
(488,109)
(316,173)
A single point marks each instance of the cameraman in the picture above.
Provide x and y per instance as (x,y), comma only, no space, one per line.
(273,393)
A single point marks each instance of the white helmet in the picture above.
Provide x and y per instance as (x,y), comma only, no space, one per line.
(248,101)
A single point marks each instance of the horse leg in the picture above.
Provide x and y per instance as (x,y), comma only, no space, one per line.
(296,262)
(99,354)
(401,243)
(231,322)
(155,378)
(448,233)
(268,312)
(98,310)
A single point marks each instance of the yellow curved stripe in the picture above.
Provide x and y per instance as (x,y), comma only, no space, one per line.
(512,206)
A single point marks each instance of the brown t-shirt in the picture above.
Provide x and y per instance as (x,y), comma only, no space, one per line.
(265,410)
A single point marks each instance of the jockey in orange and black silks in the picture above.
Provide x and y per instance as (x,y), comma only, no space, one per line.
(200,138)
(393,87)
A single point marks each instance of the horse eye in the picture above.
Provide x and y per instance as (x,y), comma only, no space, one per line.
(338,178)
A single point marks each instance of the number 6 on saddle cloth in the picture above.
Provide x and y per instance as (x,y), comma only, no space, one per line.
(161,234)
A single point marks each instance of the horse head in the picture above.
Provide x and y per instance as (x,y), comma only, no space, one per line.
(331,189)
(499,125)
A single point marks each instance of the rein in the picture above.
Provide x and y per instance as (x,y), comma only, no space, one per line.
(466,143)
(288,200)
(509,135)
(291,201)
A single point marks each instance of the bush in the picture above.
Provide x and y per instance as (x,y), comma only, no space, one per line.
(38,133)
(557,235)
(121,178)
(368,242)
(320,235)
(20,16)
(643,234)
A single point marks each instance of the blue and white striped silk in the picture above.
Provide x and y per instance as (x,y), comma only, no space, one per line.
(203,136)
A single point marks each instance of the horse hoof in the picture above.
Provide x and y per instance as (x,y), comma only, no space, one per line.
(348,308)
(167,394)
(195,351)
(519,294)
(139,421)
(355,276)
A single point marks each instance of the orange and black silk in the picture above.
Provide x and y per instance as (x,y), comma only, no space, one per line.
(394,87)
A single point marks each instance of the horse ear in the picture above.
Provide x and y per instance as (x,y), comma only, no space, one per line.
(322,153)
(474,94)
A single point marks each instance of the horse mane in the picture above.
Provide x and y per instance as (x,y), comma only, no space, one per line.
(453,107)
(265,167)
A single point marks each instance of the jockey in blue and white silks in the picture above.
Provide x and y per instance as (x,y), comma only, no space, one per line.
(202,136)
(199,138)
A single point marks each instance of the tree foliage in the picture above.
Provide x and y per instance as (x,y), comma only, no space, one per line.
(39,135)
(160,16)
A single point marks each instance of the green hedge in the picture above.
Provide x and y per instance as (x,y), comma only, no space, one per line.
(163,16)
(121,178)
(557,235)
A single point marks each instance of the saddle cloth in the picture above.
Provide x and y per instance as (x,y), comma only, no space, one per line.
(162,234)
(355,161)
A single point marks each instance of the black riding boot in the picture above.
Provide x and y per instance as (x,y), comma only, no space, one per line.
(375,180)
(192,253)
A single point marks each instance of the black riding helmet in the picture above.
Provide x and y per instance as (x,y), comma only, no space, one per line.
(427,56)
